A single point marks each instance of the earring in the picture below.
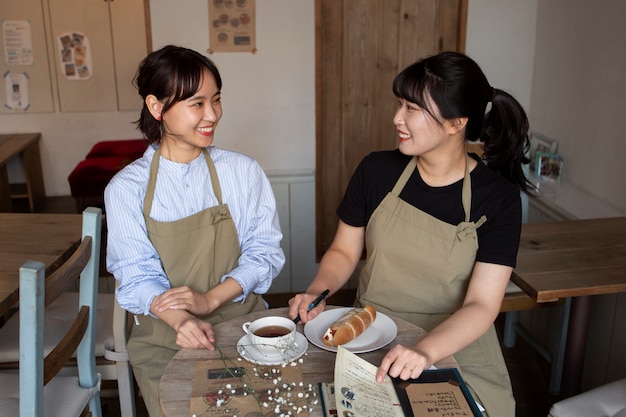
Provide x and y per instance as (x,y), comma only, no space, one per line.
(158,118)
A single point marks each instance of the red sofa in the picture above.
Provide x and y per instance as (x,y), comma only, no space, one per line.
(91,175)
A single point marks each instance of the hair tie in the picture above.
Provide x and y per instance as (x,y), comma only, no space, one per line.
(493,93)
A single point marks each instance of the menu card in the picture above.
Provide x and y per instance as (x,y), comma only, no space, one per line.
(436,393)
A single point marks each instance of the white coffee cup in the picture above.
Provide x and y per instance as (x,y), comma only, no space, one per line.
(271,335)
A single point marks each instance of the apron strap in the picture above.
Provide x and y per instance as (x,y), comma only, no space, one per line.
(404,178)
(214,182)
(467,185)
(467,190)
(154,169)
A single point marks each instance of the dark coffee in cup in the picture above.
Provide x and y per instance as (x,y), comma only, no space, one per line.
(272,331)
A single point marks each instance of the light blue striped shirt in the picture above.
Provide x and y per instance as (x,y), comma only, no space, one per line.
(182,190)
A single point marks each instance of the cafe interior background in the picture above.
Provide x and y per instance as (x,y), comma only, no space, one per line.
(563,60)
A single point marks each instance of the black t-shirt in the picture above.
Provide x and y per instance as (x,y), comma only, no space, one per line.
(492,196)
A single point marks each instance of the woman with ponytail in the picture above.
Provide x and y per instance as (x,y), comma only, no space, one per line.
(440,227)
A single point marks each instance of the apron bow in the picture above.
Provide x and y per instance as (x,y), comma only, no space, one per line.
(221,214)
(469,227)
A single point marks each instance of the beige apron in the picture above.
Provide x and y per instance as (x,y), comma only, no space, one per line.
(418,269)
(195,251)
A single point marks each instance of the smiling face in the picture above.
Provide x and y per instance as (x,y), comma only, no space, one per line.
(190,124)
(418,131)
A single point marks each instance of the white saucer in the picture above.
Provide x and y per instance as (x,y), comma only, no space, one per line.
(250,353)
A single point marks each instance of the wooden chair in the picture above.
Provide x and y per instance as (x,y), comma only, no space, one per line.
(119,368)
(110,343)
(37,390)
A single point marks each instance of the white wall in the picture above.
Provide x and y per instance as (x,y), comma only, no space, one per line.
(501,38)
(579,94)
(269,97)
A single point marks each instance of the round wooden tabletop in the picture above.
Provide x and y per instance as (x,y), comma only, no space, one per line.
(317,364)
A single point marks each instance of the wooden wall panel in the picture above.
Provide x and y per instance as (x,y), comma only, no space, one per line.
(448,23)
(359,73)
(360,47)
(382,134)
(328,118)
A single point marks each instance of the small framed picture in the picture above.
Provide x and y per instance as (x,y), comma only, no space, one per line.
(548,166)
(541,143)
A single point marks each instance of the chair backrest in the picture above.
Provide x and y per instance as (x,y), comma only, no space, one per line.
(35,292)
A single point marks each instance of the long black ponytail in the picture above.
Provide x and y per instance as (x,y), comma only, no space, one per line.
(505,138)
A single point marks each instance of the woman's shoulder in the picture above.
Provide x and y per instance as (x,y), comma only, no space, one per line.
(227,157)
(136,173)
(237,167)
(489,184)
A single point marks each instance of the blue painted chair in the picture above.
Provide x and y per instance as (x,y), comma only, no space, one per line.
(111,337)
(37,390)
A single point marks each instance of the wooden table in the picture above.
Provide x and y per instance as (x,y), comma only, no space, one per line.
(49,238)
(572,259)
(25,146)
(318,364)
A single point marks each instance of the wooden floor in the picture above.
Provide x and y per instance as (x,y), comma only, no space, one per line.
(530,373)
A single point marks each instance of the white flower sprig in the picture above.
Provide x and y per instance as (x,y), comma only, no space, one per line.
(287,398)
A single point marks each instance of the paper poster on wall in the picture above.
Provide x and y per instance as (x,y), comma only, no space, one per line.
(75,56)
(18,44)
(232,26)
(16,87)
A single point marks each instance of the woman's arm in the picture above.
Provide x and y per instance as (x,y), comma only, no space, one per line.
(250,198)
(251,202)
(478,312)
(336,267)
(131,257)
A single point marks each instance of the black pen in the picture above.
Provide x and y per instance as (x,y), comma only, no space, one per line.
(314,304)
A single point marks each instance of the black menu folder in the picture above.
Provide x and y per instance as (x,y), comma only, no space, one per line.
(437,392)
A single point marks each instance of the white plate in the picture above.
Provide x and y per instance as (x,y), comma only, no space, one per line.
(379,334)
(250,353)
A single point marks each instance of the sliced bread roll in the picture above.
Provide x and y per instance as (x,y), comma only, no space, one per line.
(349,326)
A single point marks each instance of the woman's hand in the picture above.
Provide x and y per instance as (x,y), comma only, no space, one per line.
(195,333)
(403,362)
(299,305)
(184,298)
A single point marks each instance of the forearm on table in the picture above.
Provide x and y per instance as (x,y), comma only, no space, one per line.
(478,312)
(457,332)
